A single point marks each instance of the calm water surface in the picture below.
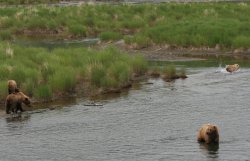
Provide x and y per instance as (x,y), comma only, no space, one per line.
(151,122)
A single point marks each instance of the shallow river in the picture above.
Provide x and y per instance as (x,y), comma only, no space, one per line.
(151,122)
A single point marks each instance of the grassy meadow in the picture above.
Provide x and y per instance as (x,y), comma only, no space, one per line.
(45,74)
(142,25)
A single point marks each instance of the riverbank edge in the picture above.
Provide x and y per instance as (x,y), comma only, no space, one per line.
(151,53)
(83,89)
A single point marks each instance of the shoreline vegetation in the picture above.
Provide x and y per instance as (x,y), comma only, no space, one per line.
(47,75)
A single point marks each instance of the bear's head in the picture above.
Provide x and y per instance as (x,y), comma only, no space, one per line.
(212,131)
(236,66)
(25,99)
(12,86)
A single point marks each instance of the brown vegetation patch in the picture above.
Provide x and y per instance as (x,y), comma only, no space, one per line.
(36,32)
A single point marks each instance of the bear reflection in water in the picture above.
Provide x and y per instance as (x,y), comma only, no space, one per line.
(209,150)
(18,117)
(208,137)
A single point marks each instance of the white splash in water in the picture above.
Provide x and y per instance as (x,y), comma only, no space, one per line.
(221,69)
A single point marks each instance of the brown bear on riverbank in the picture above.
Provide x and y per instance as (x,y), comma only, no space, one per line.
(232,68)
(13,102)
(12,86)
(208,133)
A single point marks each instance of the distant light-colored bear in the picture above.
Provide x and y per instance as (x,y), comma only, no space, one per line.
(232,68)
(208,133)
(12,86)
(13,102)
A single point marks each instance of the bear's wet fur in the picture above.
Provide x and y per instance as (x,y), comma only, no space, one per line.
(232,68)
(12,86)
(13,102)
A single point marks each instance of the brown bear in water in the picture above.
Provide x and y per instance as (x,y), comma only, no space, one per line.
(208,133)
(13,102)
(12,86)
(232,68)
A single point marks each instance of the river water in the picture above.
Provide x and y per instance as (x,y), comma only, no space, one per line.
(155,120)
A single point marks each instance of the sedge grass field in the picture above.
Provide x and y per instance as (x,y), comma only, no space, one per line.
(42,73)
(182,24)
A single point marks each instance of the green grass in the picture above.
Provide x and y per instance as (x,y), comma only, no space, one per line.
(106,36)
(142,25)
(169,72)
(5,35)
(43,92)
(77,30)
(45,74)
(3,89)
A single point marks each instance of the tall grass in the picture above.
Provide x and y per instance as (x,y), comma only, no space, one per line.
(43,92)
(97,75)
(183,24)
(169,72)
(45,74)
(63,80)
